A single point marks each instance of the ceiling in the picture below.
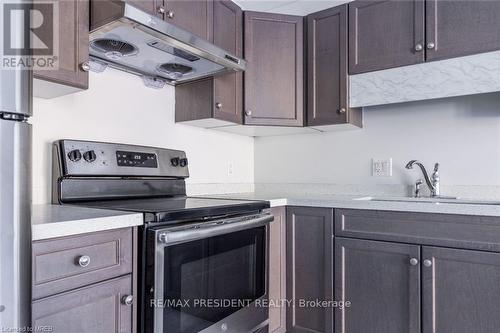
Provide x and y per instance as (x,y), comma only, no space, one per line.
(290,7)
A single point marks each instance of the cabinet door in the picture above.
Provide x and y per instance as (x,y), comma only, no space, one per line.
(97,309)
(277,270)
(327,67)
(228,89)
(149,6)
(381,284)
(274,91)
(73,45)
(458,28)
(195,16)
(460,291)
(385,34)
(309,244)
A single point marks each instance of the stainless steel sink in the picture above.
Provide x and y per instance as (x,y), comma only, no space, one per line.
(437,200)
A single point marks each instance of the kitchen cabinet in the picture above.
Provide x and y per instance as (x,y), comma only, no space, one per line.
(86,283)
(460,290)
(195,16)
(216,101)
(274,78)
(381,281)
(327,80)
(385,34)
(73,51)
(459,28)
(309,262)
(277,270)
(100,308)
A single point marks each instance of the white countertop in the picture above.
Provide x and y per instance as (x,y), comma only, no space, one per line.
(360,202)
(51,221)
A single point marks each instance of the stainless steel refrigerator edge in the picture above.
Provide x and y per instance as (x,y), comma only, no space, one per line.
(15,192)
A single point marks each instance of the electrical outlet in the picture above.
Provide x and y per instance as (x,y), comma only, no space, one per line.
(382,168)
(230,169)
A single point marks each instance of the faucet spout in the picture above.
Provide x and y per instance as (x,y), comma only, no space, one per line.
(432,184)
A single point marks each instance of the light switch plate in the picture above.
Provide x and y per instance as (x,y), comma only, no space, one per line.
(382,167)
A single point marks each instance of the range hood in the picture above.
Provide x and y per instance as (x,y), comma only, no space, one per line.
(129,39)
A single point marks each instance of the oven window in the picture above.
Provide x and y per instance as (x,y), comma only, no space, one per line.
(208,280)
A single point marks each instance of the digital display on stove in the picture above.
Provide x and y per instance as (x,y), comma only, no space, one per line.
(138,160)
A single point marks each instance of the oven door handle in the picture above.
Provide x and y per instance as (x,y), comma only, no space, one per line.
(166,237)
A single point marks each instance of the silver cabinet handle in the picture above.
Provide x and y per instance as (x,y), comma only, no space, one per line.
(431,46)
(161,10)
(342,110)
(427,263)
(83,261)
(170,14)
(218,105)
(248,113)
(128,300)
(414,261)
(85,66)
(419,47)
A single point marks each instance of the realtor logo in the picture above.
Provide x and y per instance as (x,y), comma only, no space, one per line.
(30,34)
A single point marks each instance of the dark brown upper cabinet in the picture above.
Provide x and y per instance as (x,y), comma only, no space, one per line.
(274,78)
(459,28)
(195,16)
(209,101)
(327,80)
(73,48)
(385,34)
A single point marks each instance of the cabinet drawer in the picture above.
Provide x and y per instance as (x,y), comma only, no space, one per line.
(67,263)
(463,231)
(99,308)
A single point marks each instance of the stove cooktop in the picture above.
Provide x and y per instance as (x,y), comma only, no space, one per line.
(180,208)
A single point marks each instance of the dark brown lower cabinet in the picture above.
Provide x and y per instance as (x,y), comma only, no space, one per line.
(381,281)
(461,292)
(309,262)
(277,270)
(98,308)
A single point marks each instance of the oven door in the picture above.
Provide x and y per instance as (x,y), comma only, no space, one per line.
(211,277)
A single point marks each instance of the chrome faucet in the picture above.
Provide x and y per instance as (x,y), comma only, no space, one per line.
(433,181)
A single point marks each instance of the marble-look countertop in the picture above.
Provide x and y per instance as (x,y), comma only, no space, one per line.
(362,202)
(51,221)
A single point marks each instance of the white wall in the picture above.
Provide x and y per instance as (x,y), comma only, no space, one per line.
(462,133)
(118,108)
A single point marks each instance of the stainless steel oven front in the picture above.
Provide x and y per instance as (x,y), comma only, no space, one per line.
(209,277)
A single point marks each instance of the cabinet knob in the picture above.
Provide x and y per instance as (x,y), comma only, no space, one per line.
(218,105)
(128,300)
(85,66)
(427,263)
(170,14)
(431,46)
(248,113)
(83,261)
(419,47)
(414,261)
(161,10)
(342,110)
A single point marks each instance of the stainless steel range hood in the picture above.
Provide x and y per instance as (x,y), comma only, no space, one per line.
(129,39)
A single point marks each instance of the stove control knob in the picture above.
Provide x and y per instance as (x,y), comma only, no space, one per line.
(75,155)
(175,161)
(183,162)
(89,156)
